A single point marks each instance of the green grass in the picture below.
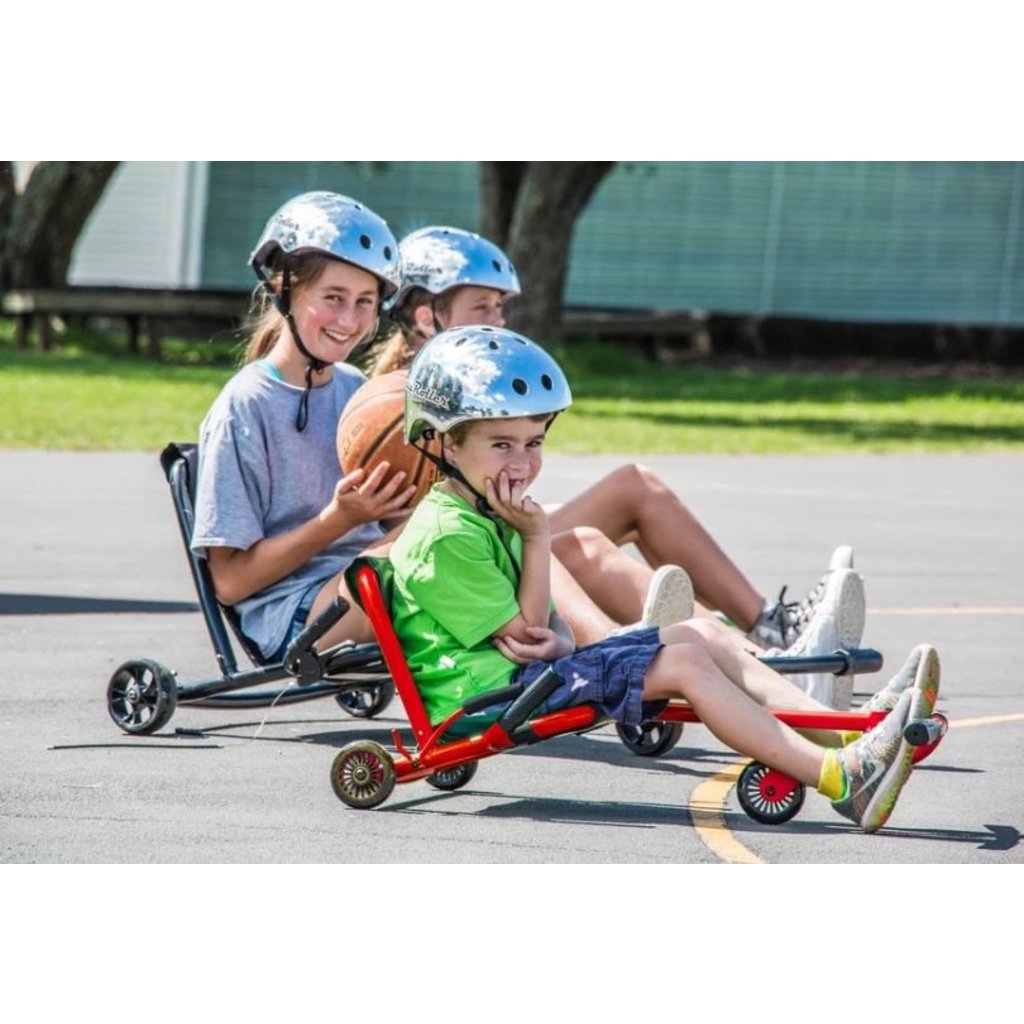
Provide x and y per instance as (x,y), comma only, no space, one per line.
(624,404)
(90,394)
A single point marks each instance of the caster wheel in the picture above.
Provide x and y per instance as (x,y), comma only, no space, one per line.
(924,736)
(651,739)
(366,702)
(142,696)
(363,774)
(769,796)
(453,778)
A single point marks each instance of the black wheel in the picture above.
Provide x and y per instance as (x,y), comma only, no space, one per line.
(453,778)
(363,774)
(768,796)
(142,696)
(651,739)
(367,701)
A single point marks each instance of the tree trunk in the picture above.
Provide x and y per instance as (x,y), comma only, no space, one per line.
(530,210)
(40,225)
(499,180)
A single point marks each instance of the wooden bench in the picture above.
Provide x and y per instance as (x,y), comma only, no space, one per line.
(668,335)
(144,310)
(663,333)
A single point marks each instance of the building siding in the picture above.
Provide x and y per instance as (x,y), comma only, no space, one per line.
(146,230)
(932,242)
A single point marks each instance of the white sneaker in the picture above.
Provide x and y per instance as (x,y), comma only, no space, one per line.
(842,558)
(669,599)
(780,625)
(837,624)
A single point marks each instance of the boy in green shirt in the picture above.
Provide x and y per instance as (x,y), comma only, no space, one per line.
(472,606)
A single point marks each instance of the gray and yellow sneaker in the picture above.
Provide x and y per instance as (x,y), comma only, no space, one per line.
(920,670)
(878,764)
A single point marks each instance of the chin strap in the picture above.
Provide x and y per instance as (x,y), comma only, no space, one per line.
(283,304)
(482,504)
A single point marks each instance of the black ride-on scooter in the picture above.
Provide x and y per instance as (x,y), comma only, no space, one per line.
(142,694)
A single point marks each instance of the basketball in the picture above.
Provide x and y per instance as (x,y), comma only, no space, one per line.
(370,432)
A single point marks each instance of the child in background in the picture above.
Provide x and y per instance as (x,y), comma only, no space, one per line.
(455,278)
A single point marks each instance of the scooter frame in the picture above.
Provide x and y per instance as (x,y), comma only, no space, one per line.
(363,773)
(143,694)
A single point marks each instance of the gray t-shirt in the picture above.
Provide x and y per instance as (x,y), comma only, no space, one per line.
(259,476)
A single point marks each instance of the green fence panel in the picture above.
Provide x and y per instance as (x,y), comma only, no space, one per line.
(936,242)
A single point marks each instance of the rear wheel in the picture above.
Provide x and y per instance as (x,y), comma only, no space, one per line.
(650,739)
(453,778)
(367,701)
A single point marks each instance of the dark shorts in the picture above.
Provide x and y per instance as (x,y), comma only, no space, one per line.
(609,674)
(298,623)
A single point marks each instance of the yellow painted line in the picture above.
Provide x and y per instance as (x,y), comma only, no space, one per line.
(707,802)
(982,610)
(987,720)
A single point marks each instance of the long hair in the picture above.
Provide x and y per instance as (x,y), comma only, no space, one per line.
(397,350)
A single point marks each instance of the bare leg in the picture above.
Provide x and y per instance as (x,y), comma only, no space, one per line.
(354,625)
(737,665)
(632,502)
(598,573)
(689,671)
(616,583)
(588,622)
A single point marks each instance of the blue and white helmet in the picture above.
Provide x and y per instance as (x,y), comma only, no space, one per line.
(480,373)
(334,225)
(439,258)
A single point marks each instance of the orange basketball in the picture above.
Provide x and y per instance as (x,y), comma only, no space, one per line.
(370,432)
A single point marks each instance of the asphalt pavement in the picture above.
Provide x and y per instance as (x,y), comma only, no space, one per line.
(93,573)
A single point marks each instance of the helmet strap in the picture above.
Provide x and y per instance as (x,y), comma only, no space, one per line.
(453,472)
(282,302)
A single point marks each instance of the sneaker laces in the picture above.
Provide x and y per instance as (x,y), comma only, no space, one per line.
(787,620)
(791,617)
(797,614)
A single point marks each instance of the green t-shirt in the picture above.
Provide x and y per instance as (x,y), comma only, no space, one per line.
(454,584)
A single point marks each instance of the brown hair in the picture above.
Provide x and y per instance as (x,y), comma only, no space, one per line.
(397,350)
(458,431)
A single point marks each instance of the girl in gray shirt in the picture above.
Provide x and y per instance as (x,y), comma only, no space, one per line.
(275,518)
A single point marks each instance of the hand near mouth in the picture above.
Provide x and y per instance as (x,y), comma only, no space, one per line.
(519,510)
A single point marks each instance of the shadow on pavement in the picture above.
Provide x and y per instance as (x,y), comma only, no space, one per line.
(56,604)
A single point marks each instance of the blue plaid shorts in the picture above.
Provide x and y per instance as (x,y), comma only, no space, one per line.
(609,674)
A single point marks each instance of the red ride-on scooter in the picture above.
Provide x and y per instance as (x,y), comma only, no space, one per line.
(363,774)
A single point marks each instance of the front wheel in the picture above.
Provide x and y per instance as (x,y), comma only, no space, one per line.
(141,696)
(769,796)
